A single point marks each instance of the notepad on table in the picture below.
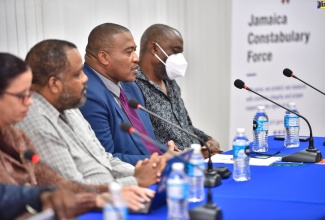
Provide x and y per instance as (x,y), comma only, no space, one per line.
(228,159)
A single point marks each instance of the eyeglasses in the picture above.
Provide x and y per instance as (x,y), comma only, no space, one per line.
(23,96)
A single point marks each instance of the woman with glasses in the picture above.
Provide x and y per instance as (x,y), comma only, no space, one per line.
(15,83)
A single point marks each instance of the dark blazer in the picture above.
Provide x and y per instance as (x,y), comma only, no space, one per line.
(13,200)
(105,116)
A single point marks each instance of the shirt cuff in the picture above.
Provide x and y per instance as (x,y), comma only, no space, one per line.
(38,204)
(127,181)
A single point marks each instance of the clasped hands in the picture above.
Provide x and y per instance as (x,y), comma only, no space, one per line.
(149,170)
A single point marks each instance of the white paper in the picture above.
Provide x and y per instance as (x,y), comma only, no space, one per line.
(223,158)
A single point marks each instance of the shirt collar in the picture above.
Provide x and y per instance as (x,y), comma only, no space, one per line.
(115,89)
(46,104)
(143,77)
(49,110)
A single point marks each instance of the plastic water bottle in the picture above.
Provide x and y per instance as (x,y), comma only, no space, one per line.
(116,209)
(196,175)
(292,126)
(260,130)
(240,144)
(177,193)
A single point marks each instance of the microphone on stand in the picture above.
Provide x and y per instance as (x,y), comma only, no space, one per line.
(288,73)
(209,211)
(311,154)
(35,159)
(211,175)
(127,127)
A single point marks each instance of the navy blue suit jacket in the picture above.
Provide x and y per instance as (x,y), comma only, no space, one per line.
(13,200)
(105,116)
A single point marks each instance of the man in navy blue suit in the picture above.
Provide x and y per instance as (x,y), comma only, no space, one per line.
(111,65)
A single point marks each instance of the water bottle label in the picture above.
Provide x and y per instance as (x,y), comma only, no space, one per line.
(124,211)
(195,170)
(261,125)
(111,212)
(177,191)
(291,121)
(239,151)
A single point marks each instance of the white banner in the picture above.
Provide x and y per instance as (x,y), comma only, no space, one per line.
(267,37)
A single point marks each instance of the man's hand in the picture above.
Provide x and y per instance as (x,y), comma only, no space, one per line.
(63,202)
(213,146)
(134,196)
(171,148)
(148,171)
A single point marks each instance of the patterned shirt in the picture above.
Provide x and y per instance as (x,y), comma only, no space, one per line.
(67,143)
(170,107)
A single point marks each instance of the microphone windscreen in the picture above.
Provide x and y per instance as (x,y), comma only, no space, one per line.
(126,127)
(133,103)
(239,84)
(31,155)
(287,72)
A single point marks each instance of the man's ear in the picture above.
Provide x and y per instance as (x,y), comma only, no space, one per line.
(55,85)
(103,57)
(153,48)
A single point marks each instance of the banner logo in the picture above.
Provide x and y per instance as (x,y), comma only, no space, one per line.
(320,4)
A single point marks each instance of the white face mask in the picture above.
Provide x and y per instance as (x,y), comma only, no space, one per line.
(175,64)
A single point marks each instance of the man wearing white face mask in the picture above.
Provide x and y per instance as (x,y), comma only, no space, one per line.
(162,61)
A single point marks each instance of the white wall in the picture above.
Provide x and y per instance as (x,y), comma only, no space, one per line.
(205,26)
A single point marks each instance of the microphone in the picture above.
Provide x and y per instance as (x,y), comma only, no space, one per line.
(209,211)
(32,156)
(136,105)
(35,159)
(211,178)
(288,73)
(126,127)
(311,154)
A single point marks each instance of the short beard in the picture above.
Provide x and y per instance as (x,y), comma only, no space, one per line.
(160,71)
(66,101)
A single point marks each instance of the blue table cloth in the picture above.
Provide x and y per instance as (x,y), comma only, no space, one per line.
(279,191)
